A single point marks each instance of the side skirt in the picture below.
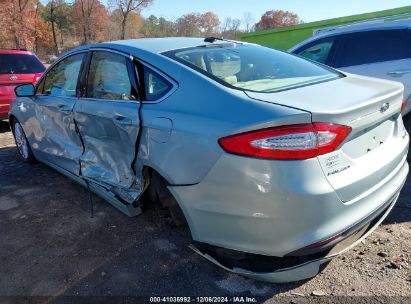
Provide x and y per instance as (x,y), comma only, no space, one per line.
(127,209)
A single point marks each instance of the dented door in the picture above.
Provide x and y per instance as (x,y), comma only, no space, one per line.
(53,127)
(109,125)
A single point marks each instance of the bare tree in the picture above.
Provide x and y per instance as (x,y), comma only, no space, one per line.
(248,20)
(230,28)
(51,17)
(89,18)
(126,7)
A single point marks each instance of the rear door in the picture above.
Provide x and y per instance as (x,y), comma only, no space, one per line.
(107,116)
(381,53)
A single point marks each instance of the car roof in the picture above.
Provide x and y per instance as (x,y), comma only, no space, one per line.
(15,51)
(365,26)
(354,28)
(159,45)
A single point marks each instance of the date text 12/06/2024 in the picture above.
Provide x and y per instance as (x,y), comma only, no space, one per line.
(239,299)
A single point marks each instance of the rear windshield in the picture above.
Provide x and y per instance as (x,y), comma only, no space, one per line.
(20,64)
(252,68)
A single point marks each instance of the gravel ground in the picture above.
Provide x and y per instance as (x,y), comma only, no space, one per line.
(50,246)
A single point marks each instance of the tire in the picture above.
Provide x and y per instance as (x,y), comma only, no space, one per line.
(407,122)
(23,146)
(158,192)
(407,125)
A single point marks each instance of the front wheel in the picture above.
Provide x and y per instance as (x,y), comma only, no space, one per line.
(22,143)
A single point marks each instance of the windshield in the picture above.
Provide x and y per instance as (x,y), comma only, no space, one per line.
(252,68)
(20,64)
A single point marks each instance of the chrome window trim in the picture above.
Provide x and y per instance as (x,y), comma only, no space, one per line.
(102,49)
(110,100)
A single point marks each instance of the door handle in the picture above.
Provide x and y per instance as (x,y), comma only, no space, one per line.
(64,108)
(122,120)
(399,72)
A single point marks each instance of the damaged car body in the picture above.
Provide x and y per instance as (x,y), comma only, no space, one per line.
(275,163)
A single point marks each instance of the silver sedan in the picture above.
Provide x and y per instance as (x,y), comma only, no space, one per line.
(277,164)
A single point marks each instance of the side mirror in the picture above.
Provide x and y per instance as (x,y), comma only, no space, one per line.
(25,90)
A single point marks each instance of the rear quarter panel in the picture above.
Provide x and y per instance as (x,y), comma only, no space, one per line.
(201,111)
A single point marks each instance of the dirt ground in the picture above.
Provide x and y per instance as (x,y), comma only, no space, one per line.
(50,246)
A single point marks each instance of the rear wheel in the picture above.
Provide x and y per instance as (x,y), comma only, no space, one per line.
(407,124)
(22,143)
(158,192)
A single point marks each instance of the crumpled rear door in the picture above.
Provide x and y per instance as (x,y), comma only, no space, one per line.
(109,125)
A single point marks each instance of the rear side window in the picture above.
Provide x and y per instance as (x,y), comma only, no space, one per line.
(20,64)
(62,79)
(318,50)
(155,85)
(373,46)
(108,77)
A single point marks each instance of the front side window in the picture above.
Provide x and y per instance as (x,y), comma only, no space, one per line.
(373,46)
(252,68)
(108,77)
(156,86)
(318,50)
(62,79)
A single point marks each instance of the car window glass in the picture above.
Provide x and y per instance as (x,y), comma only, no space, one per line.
(156,86)
(61,80)
(40,87)
(373,46)
(253,68)
(20,64)
(318,50)
(108,77)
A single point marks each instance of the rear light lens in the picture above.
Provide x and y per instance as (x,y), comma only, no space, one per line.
(36,77)
(327,241)
(287,142)
(402,105)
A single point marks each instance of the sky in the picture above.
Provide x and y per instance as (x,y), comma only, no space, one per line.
(308,10)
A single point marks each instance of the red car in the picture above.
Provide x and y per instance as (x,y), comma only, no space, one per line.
(16,67)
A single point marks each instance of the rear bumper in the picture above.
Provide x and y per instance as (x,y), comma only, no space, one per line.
(314,263)
(275,208)
(5,103)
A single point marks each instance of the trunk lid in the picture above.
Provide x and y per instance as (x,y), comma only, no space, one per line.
(378,142)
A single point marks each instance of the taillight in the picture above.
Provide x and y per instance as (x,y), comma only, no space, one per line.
(36,77)
(402,105)
(287,142)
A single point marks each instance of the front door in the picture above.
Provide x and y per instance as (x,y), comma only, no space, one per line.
(108,120)
(57,141)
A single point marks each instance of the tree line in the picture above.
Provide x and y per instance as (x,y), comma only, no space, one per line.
(55,26)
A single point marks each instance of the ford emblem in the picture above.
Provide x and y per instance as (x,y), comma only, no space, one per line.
(385,107)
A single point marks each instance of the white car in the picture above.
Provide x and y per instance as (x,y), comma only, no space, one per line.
(374,48)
